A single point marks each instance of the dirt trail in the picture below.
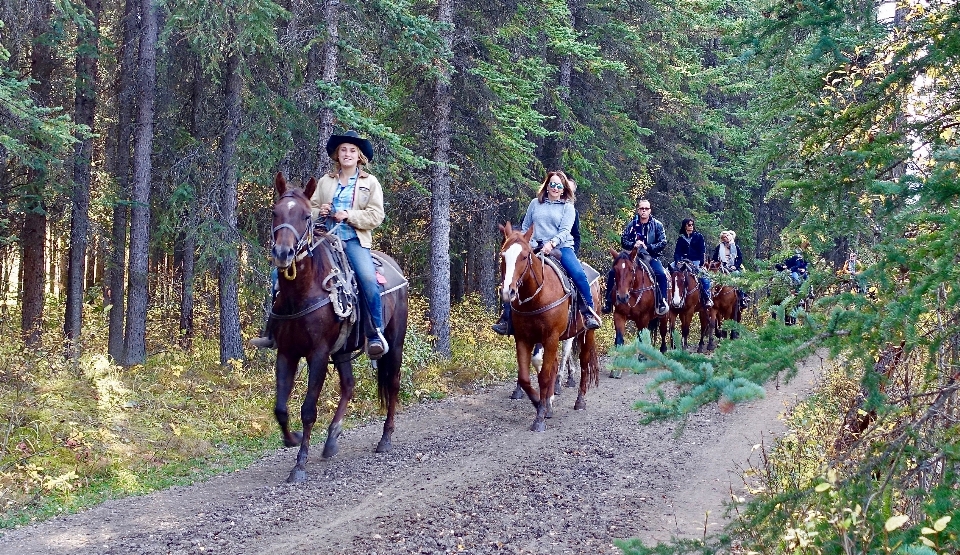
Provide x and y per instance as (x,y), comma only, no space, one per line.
(465,476)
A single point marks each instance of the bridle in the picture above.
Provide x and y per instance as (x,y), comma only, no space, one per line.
(635,268)
(305,244)
(540,283)
(686,271)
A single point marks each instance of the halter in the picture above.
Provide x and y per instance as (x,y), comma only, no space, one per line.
(684,268)
(305,243)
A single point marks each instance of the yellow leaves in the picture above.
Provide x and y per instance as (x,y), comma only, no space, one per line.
(941,524)
(948,133)
(895,522)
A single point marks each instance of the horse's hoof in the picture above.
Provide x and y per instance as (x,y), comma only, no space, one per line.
(540,426)
(517,394)
(580,404)
(330,450)
(297,439)
(612,374)
(571,383)
(385,446)
(549,413)
(297,476)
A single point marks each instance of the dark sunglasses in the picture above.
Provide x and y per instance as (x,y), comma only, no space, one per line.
(553,185)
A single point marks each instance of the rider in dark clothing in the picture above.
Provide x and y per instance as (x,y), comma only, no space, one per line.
(691,247)
(647,232)
(797,267)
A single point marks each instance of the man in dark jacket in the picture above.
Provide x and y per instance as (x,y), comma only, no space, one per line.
(797,267)
(646,232)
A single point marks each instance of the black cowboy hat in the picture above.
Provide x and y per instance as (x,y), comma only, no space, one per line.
(353,138)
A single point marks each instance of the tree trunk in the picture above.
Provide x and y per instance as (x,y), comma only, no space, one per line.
(331,17)
(187,266)
(33,236)
(230,344)
(135,351)
(440,198)
(84,110)
(118,237)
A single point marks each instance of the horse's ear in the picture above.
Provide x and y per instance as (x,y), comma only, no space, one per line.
(311,187)
(280,183)
(614,253)
(634,253)
(529,234)
(506,229)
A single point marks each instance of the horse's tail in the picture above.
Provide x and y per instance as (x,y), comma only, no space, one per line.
(593,359)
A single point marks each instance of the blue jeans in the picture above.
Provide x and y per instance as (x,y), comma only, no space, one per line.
(705,284)
(661,274)
(798,278)
(362,263)
(570,263)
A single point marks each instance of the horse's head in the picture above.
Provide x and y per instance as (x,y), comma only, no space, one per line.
(683,280)
(624,273)
(716,266)
(515,258)
(292,222)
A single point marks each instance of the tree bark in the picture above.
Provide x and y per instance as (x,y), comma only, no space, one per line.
(231,346)
(118,238)
(330,57)
(440,196)
(33,236)
(135,346)
(85,105)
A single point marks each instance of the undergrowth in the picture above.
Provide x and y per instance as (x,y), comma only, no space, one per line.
(77,433)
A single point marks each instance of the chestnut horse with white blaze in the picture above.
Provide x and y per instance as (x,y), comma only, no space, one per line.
(685,302)
(541,311)
(635,298)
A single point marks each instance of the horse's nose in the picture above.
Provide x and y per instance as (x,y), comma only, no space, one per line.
(282,255)
(624,299)
(508,294)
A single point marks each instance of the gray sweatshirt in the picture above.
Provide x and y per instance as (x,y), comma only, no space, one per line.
(552,221)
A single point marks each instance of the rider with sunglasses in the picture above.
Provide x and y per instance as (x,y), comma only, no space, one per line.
(646,232)
(552,214)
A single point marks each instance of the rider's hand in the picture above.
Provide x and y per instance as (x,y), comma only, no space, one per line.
(547,248)
(324,210)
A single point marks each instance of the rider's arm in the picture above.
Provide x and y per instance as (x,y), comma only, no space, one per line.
(659,239)
(368,202)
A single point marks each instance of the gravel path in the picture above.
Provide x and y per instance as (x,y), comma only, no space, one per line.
(466,476)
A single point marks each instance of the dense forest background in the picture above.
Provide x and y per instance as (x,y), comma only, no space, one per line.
(139,140)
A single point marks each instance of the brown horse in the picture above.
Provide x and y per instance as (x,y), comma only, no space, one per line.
(313,319)
(542,312)
(685,301)
(635,298)
(726,306)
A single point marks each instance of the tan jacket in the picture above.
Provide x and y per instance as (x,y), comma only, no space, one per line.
(367,212)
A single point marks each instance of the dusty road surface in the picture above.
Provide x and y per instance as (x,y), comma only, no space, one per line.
(466,476)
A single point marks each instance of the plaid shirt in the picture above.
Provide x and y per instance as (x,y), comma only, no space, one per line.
(343,200)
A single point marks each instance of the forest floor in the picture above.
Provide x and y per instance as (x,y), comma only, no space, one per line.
(466,476)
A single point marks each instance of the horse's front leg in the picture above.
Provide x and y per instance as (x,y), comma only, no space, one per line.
(685,329)
(587,345)
(308,413)
(286,371)
(347,385)
(524,351)
(619,325)
(546,378)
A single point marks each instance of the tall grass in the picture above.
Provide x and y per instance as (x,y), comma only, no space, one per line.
(73,434)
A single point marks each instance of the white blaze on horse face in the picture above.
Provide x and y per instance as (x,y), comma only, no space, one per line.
(291,204)
(676,292)
(510,257)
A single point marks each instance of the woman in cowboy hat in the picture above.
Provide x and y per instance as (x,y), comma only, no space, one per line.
(351,200)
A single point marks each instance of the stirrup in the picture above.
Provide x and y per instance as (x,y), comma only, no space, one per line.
(263,342)
(377,346)
(590,319)
(663,308)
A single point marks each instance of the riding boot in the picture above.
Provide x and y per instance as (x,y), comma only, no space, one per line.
(504,324)
(662,306)
(377,346)
(265,341)
(590,318)
(742,298)
(608,295)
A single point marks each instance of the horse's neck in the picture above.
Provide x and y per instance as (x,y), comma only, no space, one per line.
(306,283)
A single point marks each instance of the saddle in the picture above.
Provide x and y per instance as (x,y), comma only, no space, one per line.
(577,301)
(345,295)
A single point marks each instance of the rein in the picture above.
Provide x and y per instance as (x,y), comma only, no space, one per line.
(540,281)
(639,292)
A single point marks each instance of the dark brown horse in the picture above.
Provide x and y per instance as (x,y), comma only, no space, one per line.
(726,306)
(312,320)
(541,311)
(635,293)
(685,301)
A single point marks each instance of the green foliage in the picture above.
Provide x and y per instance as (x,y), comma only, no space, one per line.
(80,433)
